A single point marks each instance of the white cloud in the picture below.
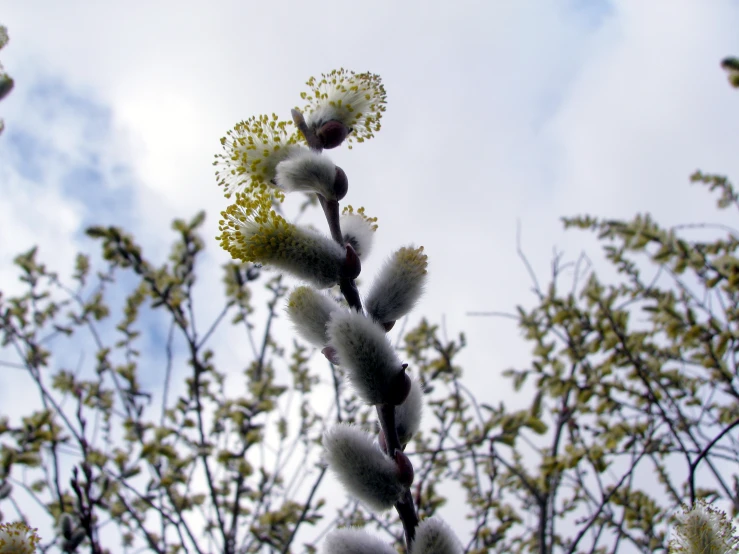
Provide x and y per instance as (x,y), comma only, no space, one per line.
(497,112)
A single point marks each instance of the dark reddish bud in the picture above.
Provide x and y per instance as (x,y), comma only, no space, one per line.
(332,134)
(388,325)
(400,388)
(352,265)
(405,468)
(341,184)
(331,355)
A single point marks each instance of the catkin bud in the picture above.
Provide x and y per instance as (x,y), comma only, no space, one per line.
(400,388)
(433,536)
(703,529)
(405,468)
(398,286)
(341,101)
(360,465)
(352,264)
(66,524)
(252,233)
(370,360)
(332,134)
(309,311)
(309,255)
(358,231)
(330,353)
(341,183)
(18,537)
(408,414)
(305,170)
(354,541)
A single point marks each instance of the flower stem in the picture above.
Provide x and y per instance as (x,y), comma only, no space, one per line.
(331,211)
(313,141)
(405,507)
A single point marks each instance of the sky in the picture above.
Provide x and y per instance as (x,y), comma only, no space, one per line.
(501,116)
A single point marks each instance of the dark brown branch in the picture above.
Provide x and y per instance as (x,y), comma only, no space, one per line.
(405,507)
(331,211)
(230,545)
(704,453)
(198,370)
(310,137)
(150,539)
(313,490)
(604,502)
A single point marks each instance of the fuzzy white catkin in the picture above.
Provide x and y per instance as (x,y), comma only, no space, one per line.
(398,286)
(309,255)
(703,530)
(355,541)
(365,352)
(433,536)
(307,171)
(309,311)
(408,414)
(335,107)
(17,538)
(359,233)
(366,472)
(325,113)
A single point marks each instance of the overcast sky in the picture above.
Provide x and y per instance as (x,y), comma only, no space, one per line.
(498,112)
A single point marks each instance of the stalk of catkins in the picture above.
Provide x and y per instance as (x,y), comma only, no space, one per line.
(263,160)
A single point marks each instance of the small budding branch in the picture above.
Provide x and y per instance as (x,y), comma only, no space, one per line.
(264,158)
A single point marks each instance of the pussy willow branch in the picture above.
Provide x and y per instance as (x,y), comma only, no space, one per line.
(405,507)
(239,489)
(636,361)
(704,454)
(331,211)
(48,402)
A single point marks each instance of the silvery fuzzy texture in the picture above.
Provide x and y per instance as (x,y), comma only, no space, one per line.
(433,536)
(18,538)
(367,473)
(308,255)
(703,530)
(365,352)
(307,171)
(309,311)
(355,541)
(359,233)
(408,414)
(356,100)
(325,113)
(252,232)
(398,286)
